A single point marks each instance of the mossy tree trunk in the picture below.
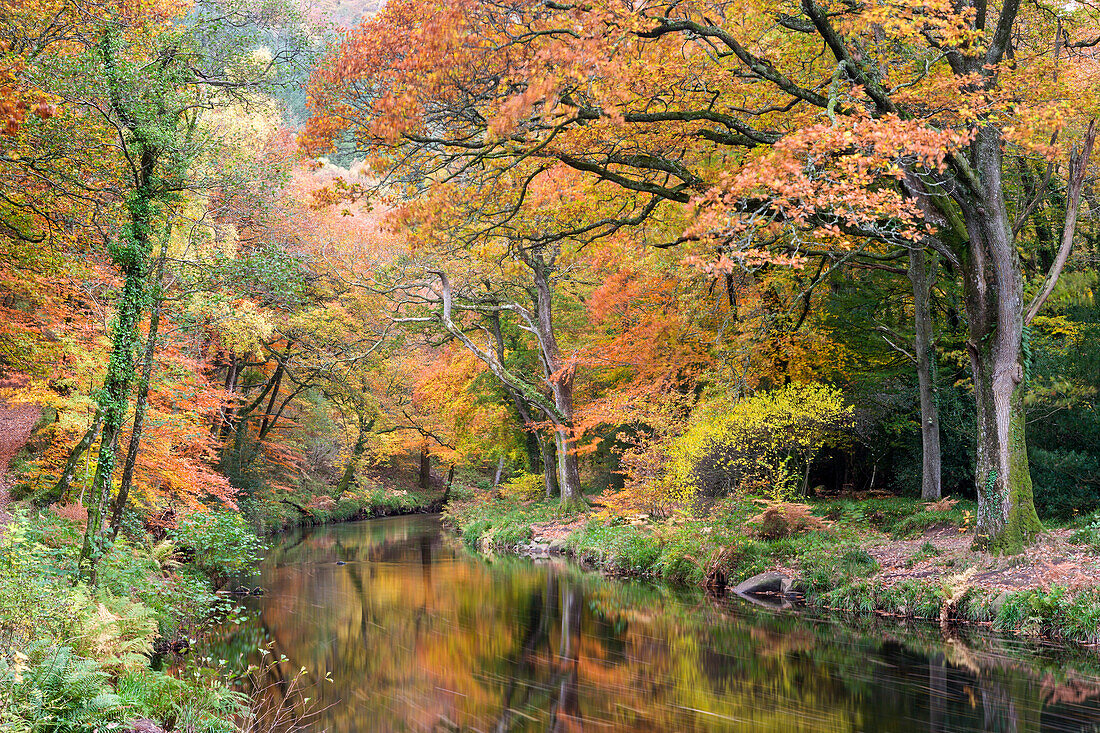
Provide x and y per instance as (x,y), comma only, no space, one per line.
(141,403)
(541,456)
(993,288)
(356,457)
(549,470)
(130,253)
(559,375)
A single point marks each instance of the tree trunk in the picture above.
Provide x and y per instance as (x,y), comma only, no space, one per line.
(447,487)
(925,354)
(57,491)
(534,443)
(356,456)
(499,472)
(114,396)
(549,467)
(993,285)
(533,451)
(141,403)
(425,467)
(560,377)
(139,418)
(224,419)
(569,479)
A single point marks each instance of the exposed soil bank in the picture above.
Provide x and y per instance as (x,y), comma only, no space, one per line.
(16,424)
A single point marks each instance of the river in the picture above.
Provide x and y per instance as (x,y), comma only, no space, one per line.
(399,628)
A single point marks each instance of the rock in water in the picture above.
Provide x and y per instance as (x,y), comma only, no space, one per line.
(770,582)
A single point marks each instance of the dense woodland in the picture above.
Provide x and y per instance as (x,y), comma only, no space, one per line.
(296,264)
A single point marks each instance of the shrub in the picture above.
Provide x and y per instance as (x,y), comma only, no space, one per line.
(760,445)
(781,519)
(198,700)
(218,544)
(1067,483)
(524,487)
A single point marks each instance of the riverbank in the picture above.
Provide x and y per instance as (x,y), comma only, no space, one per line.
(383,491)
(325,510)
(888,556)
(106,656)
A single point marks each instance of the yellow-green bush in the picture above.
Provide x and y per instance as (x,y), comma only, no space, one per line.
(524,487)
(760,445)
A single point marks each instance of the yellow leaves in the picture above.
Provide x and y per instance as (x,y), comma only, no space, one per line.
(195,236)
(240,323)
(756,444)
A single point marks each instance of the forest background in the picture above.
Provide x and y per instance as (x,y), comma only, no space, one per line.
(649,257)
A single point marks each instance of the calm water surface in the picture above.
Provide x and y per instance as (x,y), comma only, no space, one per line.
(419,635)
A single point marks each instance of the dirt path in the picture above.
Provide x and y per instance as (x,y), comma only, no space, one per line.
(16,423)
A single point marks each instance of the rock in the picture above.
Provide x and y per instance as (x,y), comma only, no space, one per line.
(341,562)
(536,549)
(144,725)
(997,603)
(557,546)
(770,582)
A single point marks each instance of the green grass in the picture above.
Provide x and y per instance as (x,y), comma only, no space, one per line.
(898,517)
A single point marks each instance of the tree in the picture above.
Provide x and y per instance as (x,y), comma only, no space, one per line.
(895,139)
(149,76)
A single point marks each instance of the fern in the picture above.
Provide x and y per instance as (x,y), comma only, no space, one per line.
(62,692)
(119,632)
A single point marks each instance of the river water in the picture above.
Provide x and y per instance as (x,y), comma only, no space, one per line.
(417,634)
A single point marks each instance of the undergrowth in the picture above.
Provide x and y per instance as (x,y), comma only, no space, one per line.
(78,658)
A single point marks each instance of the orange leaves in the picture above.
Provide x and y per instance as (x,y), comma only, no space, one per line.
(824,184)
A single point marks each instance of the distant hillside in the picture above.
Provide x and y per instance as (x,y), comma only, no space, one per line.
(342,13)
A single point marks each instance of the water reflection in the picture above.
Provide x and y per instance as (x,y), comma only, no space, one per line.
(418,635)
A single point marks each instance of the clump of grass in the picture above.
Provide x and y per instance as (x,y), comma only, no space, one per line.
(859,563)
(926,551)
(616,547)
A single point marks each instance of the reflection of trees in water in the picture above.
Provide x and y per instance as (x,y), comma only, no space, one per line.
(417,638)
(565,715)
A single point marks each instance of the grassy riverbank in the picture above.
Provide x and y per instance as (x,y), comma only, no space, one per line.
(888,556)
(384,491)
(279,516)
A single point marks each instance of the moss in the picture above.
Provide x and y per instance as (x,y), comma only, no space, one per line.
(1022,525)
